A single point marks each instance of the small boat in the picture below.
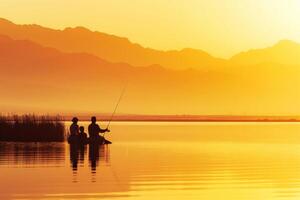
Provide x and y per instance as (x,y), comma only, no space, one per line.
(75,140)
(99,142)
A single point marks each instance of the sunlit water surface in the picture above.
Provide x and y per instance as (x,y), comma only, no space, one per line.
(246,161)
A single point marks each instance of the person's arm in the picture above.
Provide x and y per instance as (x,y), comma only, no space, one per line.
(103,130)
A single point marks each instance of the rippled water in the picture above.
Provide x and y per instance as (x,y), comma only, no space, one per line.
(160,160)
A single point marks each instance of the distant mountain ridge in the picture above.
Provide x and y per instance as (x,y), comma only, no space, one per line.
(108,47)
(285,52)
(117,49)
(50,79)
(40,78)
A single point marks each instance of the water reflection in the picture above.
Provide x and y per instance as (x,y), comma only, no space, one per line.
(96,154)
(77,154)
(40,171)
(32,154)
(149,162)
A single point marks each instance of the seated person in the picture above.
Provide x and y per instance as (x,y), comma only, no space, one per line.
(82,134)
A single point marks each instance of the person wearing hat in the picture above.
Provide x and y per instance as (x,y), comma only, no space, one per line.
(74,128)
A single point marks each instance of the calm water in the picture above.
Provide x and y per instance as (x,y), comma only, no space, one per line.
(208,161)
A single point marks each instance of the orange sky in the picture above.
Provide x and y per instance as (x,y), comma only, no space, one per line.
(222,28)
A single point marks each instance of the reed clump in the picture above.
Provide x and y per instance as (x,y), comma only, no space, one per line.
(32,128)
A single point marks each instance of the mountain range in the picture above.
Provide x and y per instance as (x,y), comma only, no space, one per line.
(78,70)
(117,49)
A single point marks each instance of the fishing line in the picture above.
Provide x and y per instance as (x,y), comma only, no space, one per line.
(117,105)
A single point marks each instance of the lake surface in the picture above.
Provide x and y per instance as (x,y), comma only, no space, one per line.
(150,160)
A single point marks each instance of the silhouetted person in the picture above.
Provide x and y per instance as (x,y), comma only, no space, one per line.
(82,135)
(74,128)
(74,131)
(94,130)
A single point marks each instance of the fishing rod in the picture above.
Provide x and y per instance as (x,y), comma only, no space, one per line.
(116,107)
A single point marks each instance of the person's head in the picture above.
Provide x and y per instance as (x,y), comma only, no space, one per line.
(93,119)
(81,129)
(75,120)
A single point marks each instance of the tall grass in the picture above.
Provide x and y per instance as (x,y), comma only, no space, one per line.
(31,128)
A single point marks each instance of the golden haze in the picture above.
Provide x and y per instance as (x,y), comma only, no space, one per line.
(77,70)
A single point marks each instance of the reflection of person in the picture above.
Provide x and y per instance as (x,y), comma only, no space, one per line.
(94,129)
(97,153)
(94,157)
(82,152)
(74,153)
(74,128)
(77,155)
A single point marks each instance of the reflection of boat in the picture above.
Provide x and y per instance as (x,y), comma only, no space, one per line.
(75,140)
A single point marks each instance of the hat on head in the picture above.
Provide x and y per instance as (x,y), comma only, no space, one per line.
(75,119)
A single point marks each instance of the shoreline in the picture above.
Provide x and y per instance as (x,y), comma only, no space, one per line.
(188,118)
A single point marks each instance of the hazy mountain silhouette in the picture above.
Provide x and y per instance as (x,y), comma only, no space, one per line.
(284,52)
(117,49)
(36,78)
(109,47)
(39,77)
